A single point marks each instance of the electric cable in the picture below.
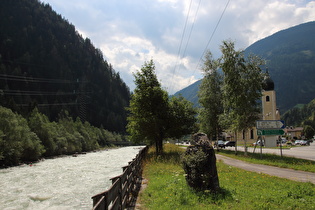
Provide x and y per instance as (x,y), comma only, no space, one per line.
(212,35)
(181,42)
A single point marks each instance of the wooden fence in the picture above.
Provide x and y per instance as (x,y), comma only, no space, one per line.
(125,187)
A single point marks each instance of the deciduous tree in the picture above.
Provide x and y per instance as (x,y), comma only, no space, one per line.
(153,116)
(242,86)
(210,98)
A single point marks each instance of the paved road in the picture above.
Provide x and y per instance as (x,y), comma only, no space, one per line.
(303,152)
(291,174)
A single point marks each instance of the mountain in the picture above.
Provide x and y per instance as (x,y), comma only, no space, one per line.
(190,92)
(302,115)
(290,57)
(45,63)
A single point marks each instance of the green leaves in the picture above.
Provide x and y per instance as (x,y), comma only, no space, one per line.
(230,100)
(153,116)
(242,86)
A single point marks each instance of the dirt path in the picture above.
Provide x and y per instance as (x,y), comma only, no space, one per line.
(291,174)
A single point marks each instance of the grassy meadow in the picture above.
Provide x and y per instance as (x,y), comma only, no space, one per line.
(240,189)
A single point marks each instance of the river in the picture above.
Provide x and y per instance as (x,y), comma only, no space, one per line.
(62,183)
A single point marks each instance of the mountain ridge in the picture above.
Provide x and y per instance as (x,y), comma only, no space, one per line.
(61,69)
(290,58)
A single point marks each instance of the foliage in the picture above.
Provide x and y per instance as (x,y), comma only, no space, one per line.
(182,117)
(167,189)
(148,108)
(210,98)
(46,63)
(199,164)
(29,140)
(18,142)
(153,117)
(242,86)
(302,116)
(309,132)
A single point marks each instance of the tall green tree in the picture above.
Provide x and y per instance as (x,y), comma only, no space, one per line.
(242,86)
(210,97)
(148,108)
(152,115)
(182,117)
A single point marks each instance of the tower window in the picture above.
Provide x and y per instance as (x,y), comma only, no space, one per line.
(267,98)
(251,134)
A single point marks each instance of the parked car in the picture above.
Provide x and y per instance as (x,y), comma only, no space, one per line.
(258,143)
(297,142)
(301,142)
(229,144)
(219,143)
(304,143)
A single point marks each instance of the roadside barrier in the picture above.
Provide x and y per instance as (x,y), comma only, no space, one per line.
(125,187)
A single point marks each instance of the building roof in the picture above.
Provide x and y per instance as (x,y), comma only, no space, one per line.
(268,83)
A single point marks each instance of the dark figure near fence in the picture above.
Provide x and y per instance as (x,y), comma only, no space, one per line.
(199,163)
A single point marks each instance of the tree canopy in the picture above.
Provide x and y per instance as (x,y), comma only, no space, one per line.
(153,116)
(242,86)
(210,98)
(230,100)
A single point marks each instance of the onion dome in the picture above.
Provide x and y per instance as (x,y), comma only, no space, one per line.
(268,83)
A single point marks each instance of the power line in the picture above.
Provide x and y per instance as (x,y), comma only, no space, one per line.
(54,104)
(37,80)
(191,29)
(39,93)
(181,41)
(212,35)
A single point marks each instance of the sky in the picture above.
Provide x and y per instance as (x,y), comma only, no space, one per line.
(175,34)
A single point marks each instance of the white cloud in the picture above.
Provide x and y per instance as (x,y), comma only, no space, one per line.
(131,32)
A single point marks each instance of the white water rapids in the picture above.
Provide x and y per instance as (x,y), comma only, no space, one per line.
(62,183)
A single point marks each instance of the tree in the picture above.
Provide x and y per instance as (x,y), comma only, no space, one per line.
(182,117)
(148,109)
(242,87)
(153,116)
(309,132)
(18,142)
(210,98)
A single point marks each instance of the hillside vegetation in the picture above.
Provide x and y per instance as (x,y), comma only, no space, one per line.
(28,140)
(290,56)
(46,63)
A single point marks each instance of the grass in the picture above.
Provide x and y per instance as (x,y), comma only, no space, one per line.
(272,160)
(240,189)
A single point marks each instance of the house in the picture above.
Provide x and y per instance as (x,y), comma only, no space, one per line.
(292,132)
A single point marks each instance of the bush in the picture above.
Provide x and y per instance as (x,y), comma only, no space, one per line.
(199,164)
(18,142)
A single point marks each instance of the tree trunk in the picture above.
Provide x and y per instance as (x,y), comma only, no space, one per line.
(235,142)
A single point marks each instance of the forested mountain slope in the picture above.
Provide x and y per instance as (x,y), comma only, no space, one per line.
(290,56)
(44,62)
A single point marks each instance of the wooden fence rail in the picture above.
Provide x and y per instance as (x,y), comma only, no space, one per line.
(125,187)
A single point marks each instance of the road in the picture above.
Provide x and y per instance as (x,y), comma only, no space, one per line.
(303,152)
(301,176)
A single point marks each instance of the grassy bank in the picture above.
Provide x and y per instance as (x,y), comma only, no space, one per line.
(167,188)
(272,160)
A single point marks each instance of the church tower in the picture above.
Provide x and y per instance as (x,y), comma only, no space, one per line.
(269,105)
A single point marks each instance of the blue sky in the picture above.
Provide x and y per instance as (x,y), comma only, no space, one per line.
(130,32)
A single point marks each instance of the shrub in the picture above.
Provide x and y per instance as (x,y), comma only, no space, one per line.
(199,164)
